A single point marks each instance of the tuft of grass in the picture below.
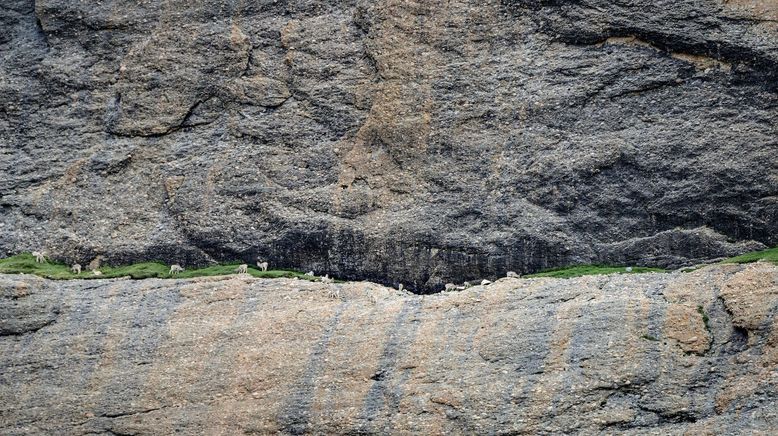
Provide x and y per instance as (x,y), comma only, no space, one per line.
(770,255)
(649,338)
(705,319)
(25,264)
(585,270)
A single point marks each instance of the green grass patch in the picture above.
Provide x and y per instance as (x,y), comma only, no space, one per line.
(587,270)
(649,338)
(770,255)
(705,319)
(25,264)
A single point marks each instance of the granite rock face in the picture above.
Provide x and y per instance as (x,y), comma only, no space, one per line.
(417,142)
(680,353)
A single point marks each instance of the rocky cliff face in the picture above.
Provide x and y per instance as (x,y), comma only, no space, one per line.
(681,353)
(417,142)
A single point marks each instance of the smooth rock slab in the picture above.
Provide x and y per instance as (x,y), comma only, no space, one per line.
(235,355)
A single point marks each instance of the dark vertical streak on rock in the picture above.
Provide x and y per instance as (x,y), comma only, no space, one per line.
(462,362)
(42,33)
(147,329)
(532,369)
(385,393)
(295,415)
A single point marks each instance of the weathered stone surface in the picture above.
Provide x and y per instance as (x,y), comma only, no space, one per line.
(424,142)
(236,355)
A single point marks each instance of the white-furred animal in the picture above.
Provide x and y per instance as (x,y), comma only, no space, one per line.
(327,279)
(39,257)
(485,282)
(466,285)
(310,274)
(262,265)
(76,269)
(513,275)
(334,292)
(629,269)
(242,269)
(96,272)
(450,287)
(175,269)
(400,287)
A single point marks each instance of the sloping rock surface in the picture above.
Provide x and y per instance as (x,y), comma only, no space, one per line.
(680,353)
(429,141)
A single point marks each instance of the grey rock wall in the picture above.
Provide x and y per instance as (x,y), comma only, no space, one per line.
(415,142)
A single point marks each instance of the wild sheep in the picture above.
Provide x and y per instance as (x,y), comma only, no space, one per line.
(39,257)
(96,272)
(513,275)
(76,269)
(262,265)
(485,282)
(310,274)
(95,263)
(242,269)
(175,269)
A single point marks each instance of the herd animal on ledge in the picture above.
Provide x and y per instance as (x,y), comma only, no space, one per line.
(334,292)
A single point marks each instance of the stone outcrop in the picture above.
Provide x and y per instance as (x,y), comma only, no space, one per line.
(680,353)
(391,140)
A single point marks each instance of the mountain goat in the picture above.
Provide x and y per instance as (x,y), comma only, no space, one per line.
(39,257)
(175,269)
(76,269)
(242,269)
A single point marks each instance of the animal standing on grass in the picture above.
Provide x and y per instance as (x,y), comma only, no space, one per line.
(39,257)
(262,265)
(95,263)
(242,269)
(76,269)
(175,269)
